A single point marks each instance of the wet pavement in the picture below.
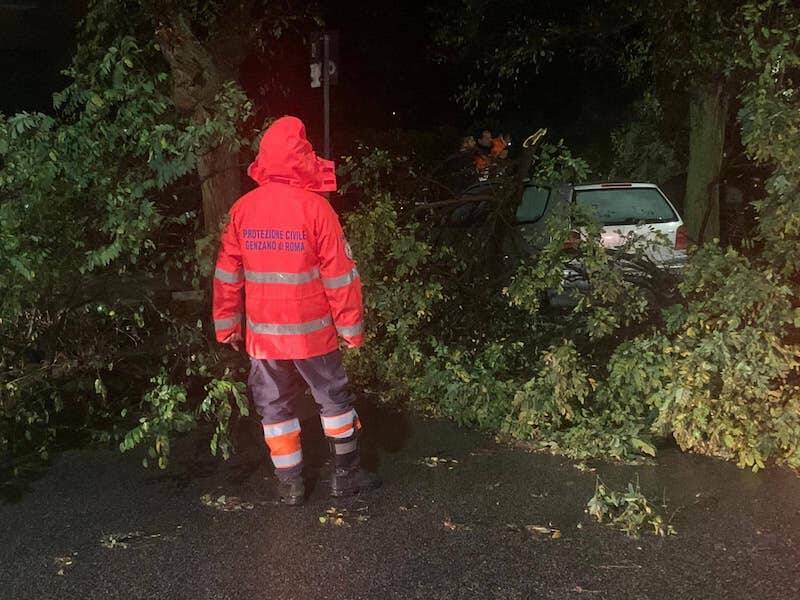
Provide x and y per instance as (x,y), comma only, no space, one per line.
(95,524)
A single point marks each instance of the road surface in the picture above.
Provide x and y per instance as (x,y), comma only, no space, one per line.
(95,524)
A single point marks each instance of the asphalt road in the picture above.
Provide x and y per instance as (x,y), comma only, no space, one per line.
(95,524)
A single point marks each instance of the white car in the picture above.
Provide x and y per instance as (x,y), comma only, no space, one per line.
(622,209)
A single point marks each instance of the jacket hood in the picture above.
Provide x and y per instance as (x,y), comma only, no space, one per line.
(286,156)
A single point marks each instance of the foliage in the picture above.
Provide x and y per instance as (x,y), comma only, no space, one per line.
(501,45)
(629,511)
(97,229)
(400,289)
(169,412)
(691,42)
(770,122)
(556,163)
(484,355)
(590,395)
(737,340)
(709,360)
(641,152)
(712,361)
(732,388)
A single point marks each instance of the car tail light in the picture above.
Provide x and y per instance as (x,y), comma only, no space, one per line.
(681,238)
(573,241)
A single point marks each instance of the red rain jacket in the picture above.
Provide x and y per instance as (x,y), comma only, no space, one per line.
(285,247)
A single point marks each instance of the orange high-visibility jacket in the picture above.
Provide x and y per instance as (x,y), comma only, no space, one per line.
(484,161)
(285,247)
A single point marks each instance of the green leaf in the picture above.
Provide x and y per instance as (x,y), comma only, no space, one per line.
(643,446)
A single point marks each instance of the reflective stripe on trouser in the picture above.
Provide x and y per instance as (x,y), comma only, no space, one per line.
(283,440)
(342,433)
(277,386)
(341,426)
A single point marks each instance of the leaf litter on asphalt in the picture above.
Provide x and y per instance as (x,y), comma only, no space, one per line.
(550,532)
(226,503)
(62,563)
(537,531)
(483,452)
(125,540)
(584,468)
(343,517)
(451,525)
(437,461)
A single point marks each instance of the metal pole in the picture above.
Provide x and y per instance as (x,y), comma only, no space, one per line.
(326,92)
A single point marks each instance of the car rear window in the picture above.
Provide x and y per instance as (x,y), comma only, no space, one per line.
(626,206)
(533,205)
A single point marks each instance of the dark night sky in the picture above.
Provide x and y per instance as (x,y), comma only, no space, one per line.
(387,76)
(36,38)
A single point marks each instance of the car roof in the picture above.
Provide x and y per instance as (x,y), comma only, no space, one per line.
(604,185)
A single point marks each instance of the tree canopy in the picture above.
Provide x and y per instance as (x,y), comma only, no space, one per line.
(111,205)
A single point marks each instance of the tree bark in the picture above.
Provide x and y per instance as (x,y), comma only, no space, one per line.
(708,115)
(220,186)
(196,80)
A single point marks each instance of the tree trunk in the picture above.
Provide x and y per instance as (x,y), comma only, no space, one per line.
(196,80)
(221,184)
(708,114)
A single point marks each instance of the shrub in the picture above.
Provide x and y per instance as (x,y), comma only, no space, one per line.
(629,511)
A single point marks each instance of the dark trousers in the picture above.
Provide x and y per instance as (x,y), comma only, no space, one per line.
(277,385)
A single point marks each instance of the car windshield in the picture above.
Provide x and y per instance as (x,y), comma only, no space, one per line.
(533,205)
(626,206)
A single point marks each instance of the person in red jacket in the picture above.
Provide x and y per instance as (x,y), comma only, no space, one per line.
(284,247)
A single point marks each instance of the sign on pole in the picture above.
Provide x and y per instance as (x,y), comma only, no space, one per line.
(317,58)
(324,72)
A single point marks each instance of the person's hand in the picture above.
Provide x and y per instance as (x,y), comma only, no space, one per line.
(235,341)
(353,343)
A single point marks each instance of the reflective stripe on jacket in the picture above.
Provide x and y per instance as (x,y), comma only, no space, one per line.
(283,245)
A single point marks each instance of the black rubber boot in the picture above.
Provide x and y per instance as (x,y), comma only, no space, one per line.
(348,477)
(351,482)
(292,492)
